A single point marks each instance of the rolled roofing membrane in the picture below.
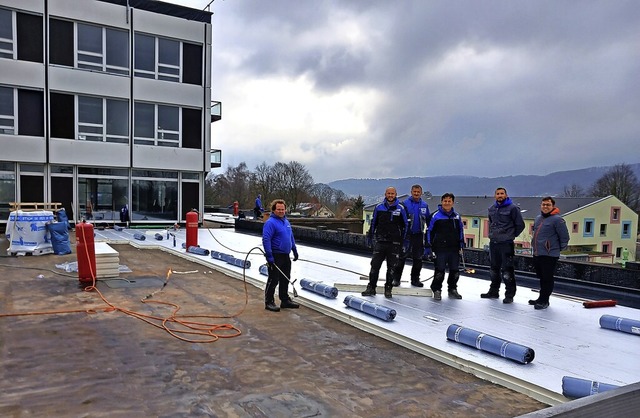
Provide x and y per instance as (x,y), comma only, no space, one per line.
(630,326)
(572,387)
(319,288)
(373,309)
(490,344)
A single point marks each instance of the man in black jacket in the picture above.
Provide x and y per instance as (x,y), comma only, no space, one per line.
(387,236)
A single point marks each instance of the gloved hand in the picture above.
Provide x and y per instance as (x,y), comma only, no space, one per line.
(270,265)
(295,254)
(270,261)
(427,253)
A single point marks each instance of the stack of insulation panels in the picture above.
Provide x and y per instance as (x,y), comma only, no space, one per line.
(107,261)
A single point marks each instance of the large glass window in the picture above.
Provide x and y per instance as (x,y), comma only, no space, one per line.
(168,126)
(93,111)
(117,51)
(6,33)
(102,198)
(7,112)
(168,60)
(145,56)
(7,188)
(154,200)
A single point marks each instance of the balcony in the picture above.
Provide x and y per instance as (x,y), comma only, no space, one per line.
(216,158)
(216,111)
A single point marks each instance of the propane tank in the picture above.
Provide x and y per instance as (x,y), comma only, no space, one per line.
(86,253)
(192,228)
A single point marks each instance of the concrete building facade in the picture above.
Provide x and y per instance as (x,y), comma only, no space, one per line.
(106,104)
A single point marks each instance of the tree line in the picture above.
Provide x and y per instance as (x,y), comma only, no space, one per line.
(620,181)
(293,183)
(289,181)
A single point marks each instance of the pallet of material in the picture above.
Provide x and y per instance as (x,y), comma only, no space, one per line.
(107,261)
(28,206)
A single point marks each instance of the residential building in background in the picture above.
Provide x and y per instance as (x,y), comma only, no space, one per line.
(106,104)
(600,229)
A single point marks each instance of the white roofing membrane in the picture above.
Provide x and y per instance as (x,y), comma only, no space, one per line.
(566,337)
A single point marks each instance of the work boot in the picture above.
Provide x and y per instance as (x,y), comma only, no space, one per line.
(395,282)
(387,291)
(289,304)
(437,295)
(270,306)
(416,283)
(541,305)
(507,299)
(490,295)
(453,294)
(369,291)
(533,301)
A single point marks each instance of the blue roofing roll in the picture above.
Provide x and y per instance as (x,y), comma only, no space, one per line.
(490,344)
(370,308)
(118,228)
(197,250)
(572,387)
(238,262)
(264,270)
(630,326)
(319,288)
(158,236)
(139,236)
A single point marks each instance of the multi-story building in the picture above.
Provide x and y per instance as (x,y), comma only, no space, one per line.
(106,103)
(600,229)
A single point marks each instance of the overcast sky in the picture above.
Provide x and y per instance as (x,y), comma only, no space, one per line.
(393,88)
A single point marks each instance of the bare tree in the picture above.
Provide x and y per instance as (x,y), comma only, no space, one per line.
(573,190)
(233,185)
(299,183)
(621,182)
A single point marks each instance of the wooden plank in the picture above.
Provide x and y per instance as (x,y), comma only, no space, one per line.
(400,291)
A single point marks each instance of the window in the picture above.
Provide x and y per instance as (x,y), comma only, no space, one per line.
(626,229)
(29,103)
(603,230)
(154,199)
(167,59)
(97,48)
(469,243)
(7,187)
(464,224)
(6,33)
(588,227)
(167,126)
(618,252)
(574,227)
(615,215)
(475,222)
(605,248)
(101,198)
(92,114)
(7,112)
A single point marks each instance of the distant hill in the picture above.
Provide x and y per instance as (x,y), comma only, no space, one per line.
(552,184)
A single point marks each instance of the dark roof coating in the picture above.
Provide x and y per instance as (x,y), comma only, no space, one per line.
(166,9)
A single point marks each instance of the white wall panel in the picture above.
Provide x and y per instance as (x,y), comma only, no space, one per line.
(167,92)
(167,158)
(68,151)
(88,82)
(92,11)
(25,149)
(22,73)
(36,6)
(168,26)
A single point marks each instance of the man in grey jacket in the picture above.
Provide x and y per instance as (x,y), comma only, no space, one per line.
(550,236)
(505,224)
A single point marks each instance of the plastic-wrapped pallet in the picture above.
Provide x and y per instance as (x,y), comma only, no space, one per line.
(27,232)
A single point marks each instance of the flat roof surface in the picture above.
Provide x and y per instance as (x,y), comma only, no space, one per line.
(566,337)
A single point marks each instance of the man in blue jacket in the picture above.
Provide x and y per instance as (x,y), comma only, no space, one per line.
(258,209)
(505,224)
(278,242)
(550,236)
(386,235)
(417,214)
(445,238)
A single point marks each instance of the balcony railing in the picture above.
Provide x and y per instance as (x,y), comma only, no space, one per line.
(216,111)
(216,158)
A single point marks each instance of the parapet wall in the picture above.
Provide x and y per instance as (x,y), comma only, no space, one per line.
(343,239)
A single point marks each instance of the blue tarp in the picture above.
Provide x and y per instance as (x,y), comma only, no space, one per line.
(490,344)
(370,308)
(572,387)
(319,288)
(59,237)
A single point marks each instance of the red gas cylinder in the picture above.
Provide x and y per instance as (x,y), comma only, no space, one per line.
(192,229)
(236,208)
(86,253)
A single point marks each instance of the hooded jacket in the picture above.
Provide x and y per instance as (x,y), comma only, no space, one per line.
(446,231)
(389,222)
(277,237)
(505,221)
(550,234)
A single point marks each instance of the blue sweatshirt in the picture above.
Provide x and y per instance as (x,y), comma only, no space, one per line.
(277,237)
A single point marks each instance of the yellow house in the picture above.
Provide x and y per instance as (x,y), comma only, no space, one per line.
(600,229)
